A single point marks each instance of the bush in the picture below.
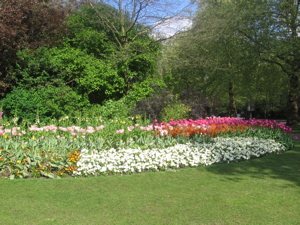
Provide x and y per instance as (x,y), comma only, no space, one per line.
(112,109)
(175,111)
(152,107)
(43,104)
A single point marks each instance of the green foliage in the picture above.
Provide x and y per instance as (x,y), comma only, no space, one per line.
(27,24)
(67,65)
(175,111)
(89,67)
(152,106)
(42,104)
(266,133)
(22,103)
(115,109)
(88,34)
(131,55)
(221,49)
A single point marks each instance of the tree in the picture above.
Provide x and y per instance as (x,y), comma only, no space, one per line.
(277,39)
(133,57)
(271,28)
(27,24)
(216,58)
(210,57)
(143,16)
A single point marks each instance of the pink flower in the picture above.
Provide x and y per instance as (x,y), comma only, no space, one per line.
(100,127)
(90,131)
(120,131)
(130,128)
(163,132)
(63,129)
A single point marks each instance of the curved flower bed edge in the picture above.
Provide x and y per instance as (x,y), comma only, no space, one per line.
(127,161)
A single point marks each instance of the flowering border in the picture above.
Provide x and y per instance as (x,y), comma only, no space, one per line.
(126,161)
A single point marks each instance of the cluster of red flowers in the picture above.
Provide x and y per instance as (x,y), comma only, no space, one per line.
(213,126)
(212,130)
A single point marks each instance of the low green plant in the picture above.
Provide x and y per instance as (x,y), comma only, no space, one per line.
(264,132)
(175,111)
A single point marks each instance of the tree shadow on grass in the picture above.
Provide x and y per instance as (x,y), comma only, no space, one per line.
(284,166)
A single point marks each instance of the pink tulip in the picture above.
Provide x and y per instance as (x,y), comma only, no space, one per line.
(120,131)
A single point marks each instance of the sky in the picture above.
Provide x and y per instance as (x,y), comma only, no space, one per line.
(172,26)
(176,24)
(151,15)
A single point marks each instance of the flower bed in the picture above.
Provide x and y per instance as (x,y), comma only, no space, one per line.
(124,161)
(56,151)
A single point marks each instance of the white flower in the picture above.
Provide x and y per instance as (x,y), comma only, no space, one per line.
(221,150)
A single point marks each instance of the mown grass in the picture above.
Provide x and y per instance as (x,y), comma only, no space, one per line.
(260,191)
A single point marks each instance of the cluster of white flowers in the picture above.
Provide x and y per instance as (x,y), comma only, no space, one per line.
(96,162)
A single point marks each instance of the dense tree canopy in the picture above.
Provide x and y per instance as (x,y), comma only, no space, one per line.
(236,46)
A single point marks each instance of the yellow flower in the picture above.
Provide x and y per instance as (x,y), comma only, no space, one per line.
(75,139)
(18,161)
(33,137)
(5,136)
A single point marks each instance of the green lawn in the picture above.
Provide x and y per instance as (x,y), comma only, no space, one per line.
(260,191)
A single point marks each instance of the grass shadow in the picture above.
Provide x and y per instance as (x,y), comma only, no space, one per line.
(284,166)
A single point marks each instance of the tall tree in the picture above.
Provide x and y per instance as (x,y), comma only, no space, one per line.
(271,28)
(215,56)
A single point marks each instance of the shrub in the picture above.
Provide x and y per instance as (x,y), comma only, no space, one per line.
(175,111)
(45,103)
(115,109)
(152,106)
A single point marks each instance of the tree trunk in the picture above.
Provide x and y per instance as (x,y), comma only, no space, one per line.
(232,105)
(292,101)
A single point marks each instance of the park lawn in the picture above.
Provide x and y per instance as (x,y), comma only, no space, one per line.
(259,191)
